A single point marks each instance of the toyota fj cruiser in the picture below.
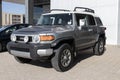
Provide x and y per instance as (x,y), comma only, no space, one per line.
(58,36)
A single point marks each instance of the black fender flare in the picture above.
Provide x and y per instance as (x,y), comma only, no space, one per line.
(101,35)
(56,42)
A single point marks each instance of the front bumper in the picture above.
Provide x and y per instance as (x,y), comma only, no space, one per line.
(30,51)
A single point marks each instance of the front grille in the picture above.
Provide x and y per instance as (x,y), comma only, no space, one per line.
(20,49)
(21,38)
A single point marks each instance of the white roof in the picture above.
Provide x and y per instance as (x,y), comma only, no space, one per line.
(63,12)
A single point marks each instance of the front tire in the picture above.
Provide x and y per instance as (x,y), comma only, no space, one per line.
(22,60)
(99,47)
(63,58)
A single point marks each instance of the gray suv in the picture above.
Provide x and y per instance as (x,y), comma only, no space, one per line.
(58,36)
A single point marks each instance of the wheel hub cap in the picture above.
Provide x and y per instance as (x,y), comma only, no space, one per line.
(66,58)
(101,47)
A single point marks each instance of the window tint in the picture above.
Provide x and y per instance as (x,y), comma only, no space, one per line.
(56,19)
(99,22)
(85,20)
(81,19)
(10,30)
(90,20)
(23,26)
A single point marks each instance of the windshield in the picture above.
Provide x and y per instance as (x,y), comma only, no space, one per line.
(56,19)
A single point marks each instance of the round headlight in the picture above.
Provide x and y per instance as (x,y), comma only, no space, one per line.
(26,39)
(13,37)
(36,39)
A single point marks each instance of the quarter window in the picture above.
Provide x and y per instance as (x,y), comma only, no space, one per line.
(99,22)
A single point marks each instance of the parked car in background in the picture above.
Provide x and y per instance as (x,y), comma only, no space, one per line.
(6,31)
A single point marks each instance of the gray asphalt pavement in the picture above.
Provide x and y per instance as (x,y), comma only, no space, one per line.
(86,67)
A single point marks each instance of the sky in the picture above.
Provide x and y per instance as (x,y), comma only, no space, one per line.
(13,8)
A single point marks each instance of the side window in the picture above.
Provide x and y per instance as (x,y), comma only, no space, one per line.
(81,19)
(21,26)
(90,20)
(10,30)
(99,22)
(63,19)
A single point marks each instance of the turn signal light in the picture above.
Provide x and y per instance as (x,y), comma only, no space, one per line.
(47,37)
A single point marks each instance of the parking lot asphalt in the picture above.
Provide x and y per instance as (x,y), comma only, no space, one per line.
(86,67)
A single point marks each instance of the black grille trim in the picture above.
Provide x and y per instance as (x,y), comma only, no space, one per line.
(21,38)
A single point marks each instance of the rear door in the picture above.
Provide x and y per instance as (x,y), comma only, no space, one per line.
(92,29)
(84,32)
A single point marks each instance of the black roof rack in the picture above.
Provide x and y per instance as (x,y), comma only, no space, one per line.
(86,9)
(59,10)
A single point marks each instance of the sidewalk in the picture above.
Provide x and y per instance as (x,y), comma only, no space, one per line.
(86,67)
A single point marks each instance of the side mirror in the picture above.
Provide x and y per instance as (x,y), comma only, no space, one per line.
(8,32)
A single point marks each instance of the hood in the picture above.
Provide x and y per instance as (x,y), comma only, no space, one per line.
(43,29)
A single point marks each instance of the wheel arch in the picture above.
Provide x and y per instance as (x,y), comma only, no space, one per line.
(101,36)
(68,40)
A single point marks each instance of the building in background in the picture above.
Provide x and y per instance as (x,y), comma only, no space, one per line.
(8,18)
(34,8)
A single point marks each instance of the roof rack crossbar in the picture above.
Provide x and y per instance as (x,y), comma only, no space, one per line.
(60,10)
(86,9)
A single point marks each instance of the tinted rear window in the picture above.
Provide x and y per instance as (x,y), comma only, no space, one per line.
(99,22)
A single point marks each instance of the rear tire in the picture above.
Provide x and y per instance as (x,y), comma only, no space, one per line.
(99,47)
(22,60)
(63,59)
